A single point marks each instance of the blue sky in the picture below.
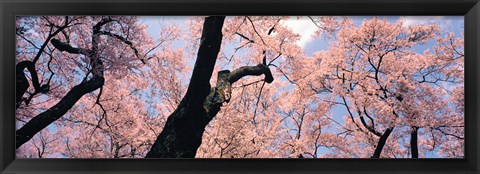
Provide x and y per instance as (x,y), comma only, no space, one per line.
(306,29)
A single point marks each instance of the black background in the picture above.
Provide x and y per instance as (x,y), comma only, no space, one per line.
(9,9)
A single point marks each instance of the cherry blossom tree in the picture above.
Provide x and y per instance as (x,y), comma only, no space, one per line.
(78,58)
(236,87)
(384,84)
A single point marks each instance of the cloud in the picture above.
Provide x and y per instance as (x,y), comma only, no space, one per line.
(416,20)
(446,23)
(302,26)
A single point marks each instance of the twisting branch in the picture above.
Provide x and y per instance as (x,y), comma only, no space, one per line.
(42,120)
(50,68)
(102,22)
(21,81)
(371,127)
(104,114)
(449,134)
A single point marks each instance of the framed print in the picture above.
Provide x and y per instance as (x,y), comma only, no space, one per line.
(239,87)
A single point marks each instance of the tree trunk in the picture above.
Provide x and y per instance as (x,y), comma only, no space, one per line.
(183,130)
(381,143)
(182,134)
(413,142)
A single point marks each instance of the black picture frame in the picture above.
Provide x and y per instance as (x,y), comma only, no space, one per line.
(10,8)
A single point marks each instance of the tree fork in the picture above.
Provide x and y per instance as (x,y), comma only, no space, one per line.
(182,134)
(183,130)
(42,120)
(22,81)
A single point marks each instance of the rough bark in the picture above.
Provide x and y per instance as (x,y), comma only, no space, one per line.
(182,134)
(222,92)
(413,142)
(381,143)
(183,130)
(251,70)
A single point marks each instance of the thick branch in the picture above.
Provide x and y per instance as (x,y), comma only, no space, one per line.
(62,46)
(21,79)
(39,122)
(101,23)
(251,71)
(22,82)
(223,90)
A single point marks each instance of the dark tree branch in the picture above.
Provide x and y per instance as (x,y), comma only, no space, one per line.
(284,74)
(271,30)
(449,134)
(251,70)
(22,81)
(222,92)
(39,122)
(62,46)
(245,37)
(350,112)
(102,22)
(370,128)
